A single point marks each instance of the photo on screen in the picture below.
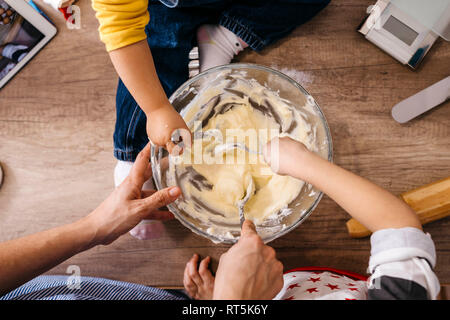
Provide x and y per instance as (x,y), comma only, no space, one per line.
(17,38)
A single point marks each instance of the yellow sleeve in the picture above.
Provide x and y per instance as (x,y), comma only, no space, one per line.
(122,22)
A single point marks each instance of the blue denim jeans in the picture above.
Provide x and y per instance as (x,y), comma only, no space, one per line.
(171,34)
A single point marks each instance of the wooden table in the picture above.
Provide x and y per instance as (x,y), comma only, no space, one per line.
(57,118)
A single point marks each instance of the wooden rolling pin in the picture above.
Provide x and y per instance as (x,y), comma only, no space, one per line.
(431,202)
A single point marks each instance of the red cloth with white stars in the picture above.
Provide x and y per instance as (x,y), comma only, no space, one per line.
(316,283)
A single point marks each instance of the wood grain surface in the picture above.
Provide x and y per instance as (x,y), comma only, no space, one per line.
(57,118)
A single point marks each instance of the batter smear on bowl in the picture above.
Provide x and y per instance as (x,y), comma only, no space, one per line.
(236,110)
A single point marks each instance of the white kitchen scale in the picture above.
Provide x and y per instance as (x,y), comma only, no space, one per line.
(406,29)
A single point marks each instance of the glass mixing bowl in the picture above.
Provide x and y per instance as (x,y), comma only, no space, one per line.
(288,89)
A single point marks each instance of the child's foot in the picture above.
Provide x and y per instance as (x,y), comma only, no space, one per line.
(198,281)
(217,46)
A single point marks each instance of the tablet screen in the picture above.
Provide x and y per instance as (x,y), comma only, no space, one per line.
(17,38)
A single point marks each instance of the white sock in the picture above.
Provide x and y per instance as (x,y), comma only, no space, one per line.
(217,46)
(122,170)
(10,49)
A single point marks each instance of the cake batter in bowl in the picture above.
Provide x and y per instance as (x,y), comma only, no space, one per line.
(249,105)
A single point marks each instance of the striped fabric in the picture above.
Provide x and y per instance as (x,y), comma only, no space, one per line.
(401,264)
(58,288)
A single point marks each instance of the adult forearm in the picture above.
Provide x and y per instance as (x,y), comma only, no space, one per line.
(25,258)
(373,206)
(135,66)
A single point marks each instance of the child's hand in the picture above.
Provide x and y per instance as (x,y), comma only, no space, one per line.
(162,122)
(287,158)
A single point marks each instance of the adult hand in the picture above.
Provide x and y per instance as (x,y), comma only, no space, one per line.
(249,270)
(129,204)
(120,212)
(162,123)
(286,156)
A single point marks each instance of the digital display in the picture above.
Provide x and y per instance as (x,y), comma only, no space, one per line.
(400,30)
